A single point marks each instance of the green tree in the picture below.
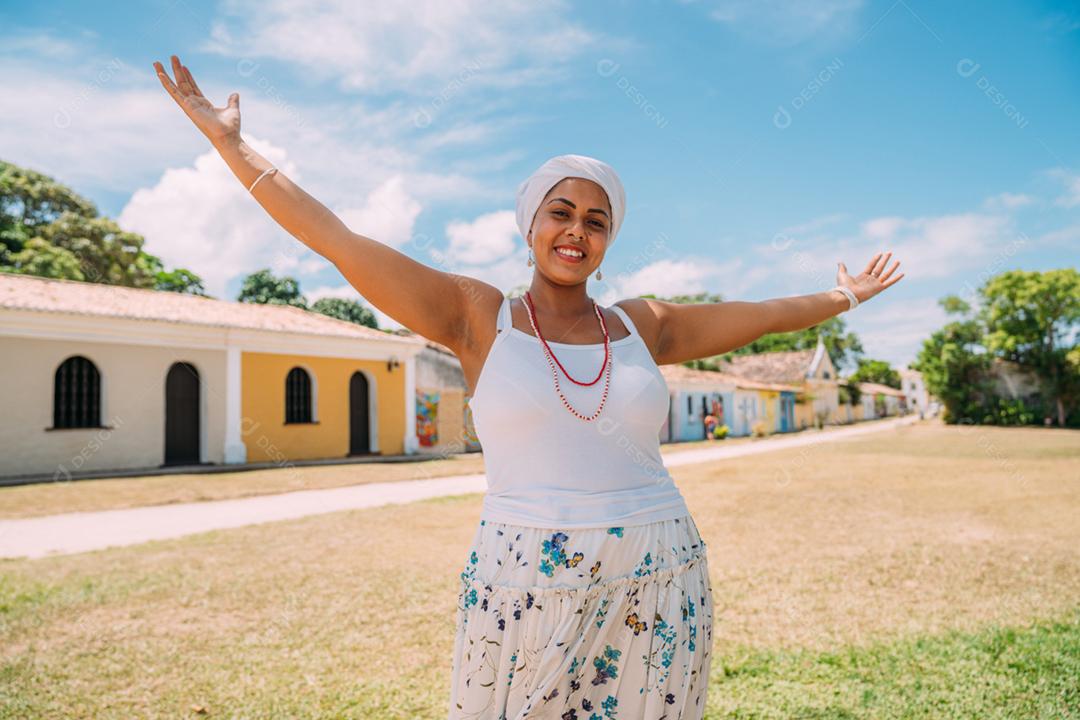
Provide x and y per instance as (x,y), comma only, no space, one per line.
(848,392)
(180,281)
(347,310)
(106,253)
(38,257)
(263,288)
(48,230)
(701,297)
(30,200)
(954,365)
(1032,318)
(876,371)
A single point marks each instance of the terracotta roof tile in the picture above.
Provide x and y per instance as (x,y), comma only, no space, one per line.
(868,387)
(788,366)
(27,292)
(681,373)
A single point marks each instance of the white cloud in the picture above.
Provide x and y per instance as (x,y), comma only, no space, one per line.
(927,247)
(201,218)
(894,331)
(786,22)
(90,129)
(388,214)
(883,228)
(348,292)
(505,273)
(942,246)
(344,292)
(684,275)
(1008,201)
(1066,237)
(1071,181)
(430,47)
(39,43)
(484,240)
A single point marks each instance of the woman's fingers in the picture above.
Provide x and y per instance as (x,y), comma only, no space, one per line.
(191,80)
(167,81)
(181,79)
(885,276)
(881,263)
(870,265)
(178,95)
(894,281)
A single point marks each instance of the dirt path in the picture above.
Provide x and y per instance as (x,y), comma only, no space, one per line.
(85,531)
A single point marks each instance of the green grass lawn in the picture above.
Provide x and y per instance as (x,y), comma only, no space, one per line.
(926,573)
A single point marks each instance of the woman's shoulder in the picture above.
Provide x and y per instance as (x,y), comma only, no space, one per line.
(645,314)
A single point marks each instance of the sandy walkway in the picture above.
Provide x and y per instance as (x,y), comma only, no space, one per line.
(85,531)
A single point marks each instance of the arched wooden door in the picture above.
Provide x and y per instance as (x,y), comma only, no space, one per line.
(182,415)
(359,427)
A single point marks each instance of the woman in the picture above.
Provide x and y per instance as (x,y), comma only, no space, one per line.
(586,592)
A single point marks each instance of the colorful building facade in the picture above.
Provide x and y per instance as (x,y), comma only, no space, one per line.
(103,378)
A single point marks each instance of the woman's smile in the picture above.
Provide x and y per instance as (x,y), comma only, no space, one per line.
(568,257)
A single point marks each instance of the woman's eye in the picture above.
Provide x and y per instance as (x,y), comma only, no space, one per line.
(560,213)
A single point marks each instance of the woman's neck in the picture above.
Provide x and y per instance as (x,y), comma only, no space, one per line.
(560,301)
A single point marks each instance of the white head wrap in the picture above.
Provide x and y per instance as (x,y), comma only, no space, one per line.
(531,192)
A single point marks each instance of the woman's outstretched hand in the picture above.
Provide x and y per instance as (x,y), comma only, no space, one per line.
(871,280)
(217,124)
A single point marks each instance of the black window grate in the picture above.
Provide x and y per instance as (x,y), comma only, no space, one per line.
(298,396)
(77,394)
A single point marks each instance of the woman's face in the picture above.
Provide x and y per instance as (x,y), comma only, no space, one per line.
(574,214)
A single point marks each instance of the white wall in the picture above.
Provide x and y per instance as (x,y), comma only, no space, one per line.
(132,402)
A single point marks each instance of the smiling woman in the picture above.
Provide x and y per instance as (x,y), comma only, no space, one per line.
(587,588)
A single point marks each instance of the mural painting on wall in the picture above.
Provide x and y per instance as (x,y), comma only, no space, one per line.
(427,418)
(472,442)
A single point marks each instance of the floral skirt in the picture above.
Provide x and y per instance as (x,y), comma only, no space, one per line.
(583,624)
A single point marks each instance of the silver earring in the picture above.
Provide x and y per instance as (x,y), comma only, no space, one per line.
(598,275)
(530,263)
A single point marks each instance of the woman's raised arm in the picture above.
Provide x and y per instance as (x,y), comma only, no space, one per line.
(700,330)
(433,303)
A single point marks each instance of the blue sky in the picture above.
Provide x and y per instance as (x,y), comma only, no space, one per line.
(759,142)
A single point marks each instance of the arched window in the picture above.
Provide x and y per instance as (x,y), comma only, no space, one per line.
(77,394)
(298,396)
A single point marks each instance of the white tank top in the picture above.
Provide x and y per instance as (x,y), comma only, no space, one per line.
(547,468)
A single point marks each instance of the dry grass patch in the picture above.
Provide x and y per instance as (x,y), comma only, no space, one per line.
(866,541)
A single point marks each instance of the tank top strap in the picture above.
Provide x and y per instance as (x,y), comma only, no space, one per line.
(626,320)
(503,321)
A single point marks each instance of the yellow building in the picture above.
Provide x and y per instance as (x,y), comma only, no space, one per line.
(100,378)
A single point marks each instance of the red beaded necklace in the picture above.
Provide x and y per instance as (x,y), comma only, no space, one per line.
(605,369)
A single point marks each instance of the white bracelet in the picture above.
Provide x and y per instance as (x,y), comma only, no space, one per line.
(268,171)
(853,301)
